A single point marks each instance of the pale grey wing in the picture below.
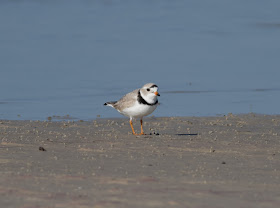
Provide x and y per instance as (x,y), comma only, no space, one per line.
(127,100)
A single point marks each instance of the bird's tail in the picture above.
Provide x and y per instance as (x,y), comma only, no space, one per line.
(111,103)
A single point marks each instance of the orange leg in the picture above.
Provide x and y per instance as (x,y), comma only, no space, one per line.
(131,124)
(132,127)
(142,132)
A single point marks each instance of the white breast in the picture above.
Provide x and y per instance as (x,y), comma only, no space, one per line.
(138,110)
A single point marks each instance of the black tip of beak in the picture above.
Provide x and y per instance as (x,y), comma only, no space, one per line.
(158,94)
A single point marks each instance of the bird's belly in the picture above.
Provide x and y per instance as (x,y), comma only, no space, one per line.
(139,110)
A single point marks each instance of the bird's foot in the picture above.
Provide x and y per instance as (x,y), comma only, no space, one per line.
(142,133)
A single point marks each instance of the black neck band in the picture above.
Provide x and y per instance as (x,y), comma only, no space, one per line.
(141,100)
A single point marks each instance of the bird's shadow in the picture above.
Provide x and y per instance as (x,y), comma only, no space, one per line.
(157,134)
(187,134)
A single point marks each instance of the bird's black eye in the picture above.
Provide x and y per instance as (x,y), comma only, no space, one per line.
(148,89)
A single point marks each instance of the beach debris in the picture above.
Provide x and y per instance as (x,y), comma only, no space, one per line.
(154,133)
(42,149)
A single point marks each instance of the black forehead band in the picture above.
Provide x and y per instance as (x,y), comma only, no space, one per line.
(154,86)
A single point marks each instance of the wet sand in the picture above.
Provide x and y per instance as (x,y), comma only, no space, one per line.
(228,161)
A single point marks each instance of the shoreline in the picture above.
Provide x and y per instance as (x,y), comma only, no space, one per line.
(230,161)
(63,118)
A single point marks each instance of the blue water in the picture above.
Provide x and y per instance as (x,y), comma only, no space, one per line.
(207,57)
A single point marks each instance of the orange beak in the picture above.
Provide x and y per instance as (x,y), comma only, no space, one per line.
(156,93)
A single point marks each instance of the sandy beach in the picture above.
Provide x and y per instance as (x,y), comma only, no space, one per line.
(228,161)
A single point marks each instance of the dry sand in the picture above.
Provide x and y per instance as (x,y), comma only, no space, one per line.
(229,161)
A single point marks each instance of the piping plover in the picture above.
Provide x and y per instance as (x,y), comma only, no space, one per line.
(137,104)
